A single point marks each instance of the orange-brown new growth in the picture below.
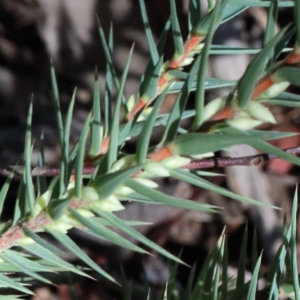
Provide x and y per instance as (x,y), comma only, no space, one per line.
(161,154)
(104,145)
(188,47)
(140,105)
(292,58)
(262,85)
(226,113)
(161,82)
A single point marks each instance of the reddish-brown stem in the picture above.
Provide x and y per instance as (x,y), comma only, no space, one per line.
(221,162)
(159,155)
(14,234)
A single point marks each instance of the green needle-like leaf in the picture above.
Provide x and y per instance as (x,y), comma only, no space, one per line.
(162,198)
(71,246)
(103,232)
(253,283)
(254,70)
(233,10)
(9,283)
(290,74)
(148,32)
(293,245)
(148,89)
(114,128)
(198,181)
(178,108)
(271,23)
(106,184)
(177,37)
(41,242)
(145,136)
(4,191)
(57,104)
(48,255)
(96,121)
(63,176)
(240,281)
(27,158)
(80,156)
(199,97)
(194,13)
(41,180)
(115,221)
(24,265)
(57,207)
(200,143)
(297,22)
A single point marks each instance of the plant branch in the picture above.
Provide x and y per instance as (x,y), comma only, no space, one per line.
(206,163)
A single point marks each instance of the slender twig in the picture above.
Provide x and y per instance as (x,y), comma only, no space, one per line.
(206,163)
(221,162)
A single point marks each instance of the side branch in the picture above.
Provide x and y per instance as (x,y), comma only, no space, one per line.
(206,163)
(221,162)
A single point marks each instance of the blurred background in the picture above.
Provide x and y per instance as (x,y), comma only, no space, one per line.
(33,31)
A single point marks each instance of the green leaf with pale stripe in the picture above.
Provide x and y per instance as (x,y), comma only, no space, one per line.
(57,207)
(30,199)
(24,265)
(71,246)
(103,232)
(271,22)
(198,181)
(115,221)
(297,23)
(4,191)
(240,281)
(57,104)
(199,143)
(148,32)
(96,121)
(63,176)
(210,83)
(106,184)
(290,74)
(194,13)
(145,136)
(254,280)
(293,247)
(233,10)
(254,70)
(176,32)
(112,152)
(41,180)
(80,156)
(108,55)
(203,24)
(257,3)
(41,242)
(168,200)
(178,108)
(40,251)
(148,88)
(200,91)
(9,283)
